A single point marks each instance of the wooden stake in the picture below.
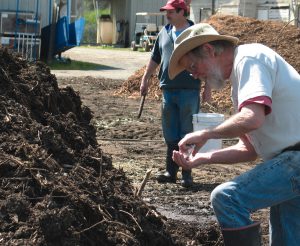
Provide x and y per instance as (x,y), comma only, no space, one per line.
(143,184)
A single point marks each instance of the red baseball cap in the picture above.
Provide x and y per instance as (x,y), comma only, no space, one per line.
(174,4)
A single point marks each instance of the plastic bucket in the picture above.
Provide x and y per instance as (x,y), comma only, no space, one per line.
(203,121)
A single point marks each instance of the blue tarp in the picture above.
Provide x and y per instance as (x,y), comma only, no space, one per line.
(68,35)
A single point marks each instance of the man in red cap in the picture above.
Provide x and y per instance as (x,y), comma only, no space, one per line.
(180,95)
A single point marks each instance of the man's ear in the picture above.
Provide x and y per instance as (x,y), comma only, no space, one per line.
(208,50)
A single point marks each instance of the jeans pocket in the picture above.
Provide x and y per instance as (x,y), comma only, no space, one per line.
(296,184)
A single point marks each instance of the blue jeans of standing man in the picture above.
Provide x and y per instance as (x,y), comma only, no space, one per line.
(275,184)
(178,107)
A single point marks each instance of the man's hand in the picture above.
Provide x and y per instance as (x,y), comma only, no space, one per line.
(195,139)
(144,87)
(189,162)
(181,160)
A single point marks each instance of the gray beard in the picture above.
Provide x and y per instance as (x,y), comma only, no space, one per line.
(216,83)
(215,80)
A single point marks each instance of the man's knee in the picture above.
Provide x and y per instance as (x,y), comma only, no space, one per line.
(221,195)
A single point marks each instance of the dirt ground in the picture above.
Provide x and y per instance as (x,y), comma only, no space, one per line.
(136,146)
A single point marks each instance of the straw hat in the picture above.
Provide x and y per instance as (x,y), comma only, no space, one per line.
(191,38)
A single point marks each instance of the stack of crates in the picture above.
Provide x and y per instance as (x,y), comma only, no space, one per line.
(21,31)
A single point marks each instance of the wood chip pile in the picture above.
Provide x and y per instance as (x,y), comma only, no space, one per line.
(280,36)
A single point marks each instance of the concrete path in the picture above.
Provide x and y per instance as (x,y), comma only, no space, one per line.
(118,64)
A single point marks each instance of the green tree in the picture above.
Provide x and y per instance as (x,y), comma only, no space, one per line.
(93,9)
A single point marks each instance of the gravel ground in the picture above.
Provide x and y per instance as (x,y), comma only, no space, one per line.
(120,64)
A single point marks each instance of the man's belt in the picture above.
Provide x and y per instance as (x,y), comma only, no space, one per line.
(295,147)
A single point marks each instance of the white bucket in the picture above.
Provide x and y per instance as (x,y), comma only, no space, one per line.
(203,121)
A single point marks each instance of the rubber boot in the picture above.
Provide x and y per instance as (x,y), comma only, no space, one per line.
(187,180)
(245,236)
(170,175)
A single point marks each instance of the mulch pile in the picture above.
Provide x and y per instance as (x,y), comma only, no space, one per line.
(57,186)
(281,37)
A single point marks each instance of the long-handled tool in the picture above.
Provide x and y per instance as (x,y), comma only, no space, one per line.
(141,106)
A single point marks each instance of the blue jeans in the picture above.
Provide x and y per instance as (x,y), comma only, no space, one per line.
(275,184)
(178,107)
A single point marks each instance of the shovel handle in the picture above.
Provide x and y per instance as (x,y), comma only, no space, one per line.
(141,106)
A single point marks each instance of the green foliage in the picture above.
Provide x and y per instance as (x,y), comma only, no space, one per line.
(90,16)
(75,65)
(90,30)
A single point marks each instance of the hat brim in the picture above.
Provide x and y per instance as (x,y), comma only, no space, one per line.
(166,8)
(187,45)
(170,7)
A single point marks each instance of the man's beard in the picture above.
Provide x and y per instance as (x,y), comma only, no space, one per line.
(215,78)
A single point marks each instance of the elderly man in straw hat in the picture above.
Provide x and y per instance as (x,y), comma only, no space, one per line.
(265,94)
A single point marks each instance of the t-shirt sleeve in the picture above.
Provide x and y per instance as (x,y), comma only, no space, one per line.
(156,56)
(263,100)
(254,80)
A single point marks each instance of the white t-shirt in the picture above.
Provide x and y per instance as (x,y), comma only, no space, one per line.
(259,71)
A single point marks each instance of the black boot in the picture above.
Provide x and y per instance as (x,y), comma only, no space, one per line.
(170,175)
(245,236)
(187,180)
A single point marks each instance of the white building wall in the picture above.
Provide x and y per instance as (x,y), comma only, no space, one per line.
(261,9)
(42,6)
(202,9)
(259,2)
(248,8)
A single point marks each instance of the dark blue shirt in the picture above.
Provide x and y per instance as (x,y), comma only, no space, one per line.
(161,54)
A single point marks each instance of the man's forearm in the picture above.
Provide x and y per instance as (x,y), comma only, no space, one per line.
(249,119)
(151,67)
(230,155)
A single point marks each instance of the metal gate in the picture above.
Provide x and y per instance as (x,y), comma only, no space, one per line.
(20,28)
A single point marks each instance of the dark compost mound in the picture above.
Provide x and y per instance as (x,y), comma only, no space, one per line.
(57,186)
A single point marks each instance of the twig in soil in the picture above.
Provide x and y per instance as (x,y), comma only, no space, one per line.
(50,162)
(279,34)
(42,197)
(17,178)
(7,116)
(13,160)
(218,241)
(36,168)
(98,223)
(104,212)
(133,219)
(130,140)
(5,74)
(39,136)
(143,184)
(91,227)
(100,172)
(100,168)
(84,169)
(37,83)
(126,236)
(3,162)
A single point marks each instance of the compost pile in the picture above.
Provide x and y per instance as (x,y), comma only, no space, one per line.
(281,37)
(57,186)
